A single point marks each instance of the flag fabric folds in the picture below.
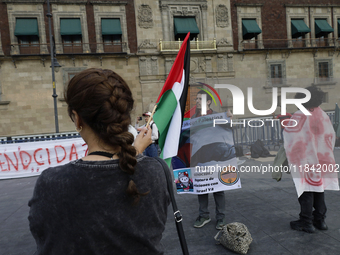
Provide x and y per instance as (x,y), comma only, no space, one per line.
(171,103)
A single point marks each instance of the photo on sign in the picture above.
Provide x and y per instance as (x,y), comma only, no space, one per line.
(183,180)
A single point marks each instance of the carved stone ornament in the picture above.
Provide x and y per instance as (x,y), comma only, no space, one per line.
(146,44)
(184,10)
(194,65)
(202,66)
(192,80)
(222,17)
(145,16)
(164,7)
(204,7)
(223,43)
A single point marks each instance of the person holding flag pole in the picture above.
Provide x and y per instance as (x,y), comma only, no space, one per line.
(169,118)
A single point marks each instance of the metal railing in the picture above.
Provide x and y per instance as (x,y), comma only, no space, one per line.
(194,45)
(290,43)
(38,138)
(269,132)
(321,80)
(277,82)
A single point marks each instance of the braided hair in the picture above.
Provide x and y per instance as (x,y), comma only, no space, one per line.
(104,101)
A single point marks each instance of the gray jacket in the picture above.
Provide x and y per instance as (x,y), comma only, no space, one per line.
(83,208)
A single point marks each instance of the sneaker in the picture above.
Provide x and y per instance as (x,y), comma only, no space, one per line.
(302,226)
(201,221)
(320,224)
(220,223)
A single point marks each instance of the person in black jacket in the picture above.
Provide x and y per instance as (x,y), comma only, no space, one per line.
(112,201)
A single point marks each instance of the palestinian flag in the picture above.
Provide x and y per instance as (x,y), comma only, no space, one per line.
(171,103)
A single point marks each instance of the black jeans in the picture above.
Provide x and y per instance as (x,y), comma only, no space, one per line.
(307,201)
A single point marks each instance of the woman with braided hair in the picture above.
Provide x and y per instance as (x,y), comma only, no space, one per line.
(113,200)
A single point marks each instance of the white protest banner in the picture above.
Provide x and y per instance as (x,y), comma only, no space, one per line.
(31,158)
(206,160)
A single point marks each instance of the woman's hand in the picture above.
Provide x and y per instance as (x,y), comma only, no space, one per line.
(143,140)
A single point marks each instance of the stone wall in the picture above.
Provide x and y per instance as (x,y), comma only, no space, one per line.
(27,86)
(273,13)
(26,103)
(154,21)
(251,70)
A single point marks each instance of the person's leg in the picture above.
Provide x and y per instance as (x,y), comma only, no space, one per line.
(203,205)
(306,204)
(220,209)
(320,211)
(151,151)
(305,221)
(158,150)
(220,204)
(203,217)
(319,206)
(147,151)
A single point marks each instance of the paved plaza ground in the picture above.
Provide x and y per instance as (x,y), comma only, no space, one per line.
(265,206)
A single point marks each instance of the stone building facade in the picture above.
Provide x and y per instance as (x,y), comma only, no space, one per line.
(247,43)
(26,102)
(211,53)
(144,56)
(281,57)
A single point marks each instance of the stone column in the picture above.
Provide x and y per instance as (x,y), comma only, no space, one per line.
(165,20)
(204,22)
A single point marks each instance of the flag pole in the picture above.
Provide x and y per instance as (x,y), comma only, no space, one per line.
(153,111)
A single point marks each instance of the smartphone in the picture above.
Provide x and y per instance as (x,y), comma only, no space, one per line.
(140,118)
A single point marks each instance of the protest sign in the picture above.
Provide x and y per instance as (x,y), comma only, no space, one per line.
(206,160)
(29,159)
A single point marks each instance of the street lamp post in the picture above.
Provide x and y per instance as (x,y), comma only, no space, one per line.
(54,64)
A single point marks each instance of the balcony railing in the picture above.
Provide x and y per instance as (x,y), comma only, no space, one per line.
(29,49)
(194,45)
(290,43)
(276,82)
(68,48)
(324,80)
